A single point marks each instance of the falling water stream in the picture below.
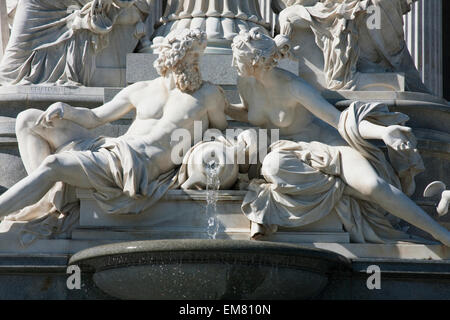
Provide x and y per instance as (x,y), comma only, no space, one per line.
(212,193)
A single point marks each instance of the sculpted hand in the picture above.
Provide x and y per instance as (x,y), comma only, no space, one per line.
(101,23)
(56,110)
(247,142)
(399,138)
(101,6)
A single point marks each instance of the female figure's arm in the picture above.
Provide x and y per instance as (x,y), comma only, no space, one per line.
(238,111)
(313,101)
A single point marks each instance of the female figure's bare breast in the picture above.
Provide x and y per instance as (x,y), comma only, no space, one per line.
(274,107)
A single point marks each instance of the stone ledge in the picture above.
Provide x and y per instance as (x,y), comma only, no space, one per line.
(199,233)
(404,267)
(181,214)
(40,97)
(398,251)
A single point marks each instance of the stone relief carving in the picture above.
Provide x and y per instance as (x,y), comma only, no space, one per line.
(129,173)
(317,165)
(355,37)
(221,20)
(85,42)
(73,40)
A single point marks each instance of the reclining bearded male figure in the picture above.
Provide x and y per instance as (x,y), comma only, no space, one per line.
(128,173)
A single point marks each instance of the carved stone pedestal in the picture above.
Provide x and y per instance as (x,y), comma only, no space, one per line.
(182,215)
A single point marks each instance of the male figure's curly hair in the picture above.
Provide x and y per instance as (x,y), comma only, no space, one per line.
(260,48)
(172,53)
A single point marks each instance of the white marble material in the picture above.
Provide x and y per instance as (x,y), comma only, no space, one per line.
(324,154)
(338,42)
(129,173)
(187,219)
(77,42)
(221,20)
(438,188)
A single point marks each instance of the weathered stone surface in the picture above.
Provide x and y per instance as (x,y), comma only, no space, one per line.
(228,269)
(78,45)
(340,45)
(215,68)
(44,277)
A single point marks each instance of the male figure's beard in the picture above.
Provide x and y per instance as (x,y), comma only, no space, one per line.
(188,77)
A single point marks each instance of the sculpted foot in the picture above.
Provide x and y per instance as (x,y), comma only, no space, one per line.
(443,205)
(256,231)
(438,188)
(257,236)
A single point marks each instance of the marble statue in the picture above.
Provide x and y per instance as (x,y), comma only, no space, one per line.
(323,162)
(128,173)
(67,42)
(438,188)
(355,37)
(222,20)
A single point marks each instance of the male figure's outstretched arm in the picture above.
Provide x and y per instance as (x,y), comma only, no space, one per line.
(91,118)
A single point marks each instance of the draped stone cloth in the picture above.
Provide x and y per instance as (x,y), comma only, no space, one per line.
(349,46)
(121,187)
(56,42)
(307,185)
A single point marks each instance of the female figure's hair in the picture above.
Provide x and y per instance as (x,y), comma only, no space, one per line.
(172,53)
(260,48)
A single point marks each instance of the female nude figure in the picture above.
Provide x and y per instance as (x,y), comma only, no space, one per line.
(275,98)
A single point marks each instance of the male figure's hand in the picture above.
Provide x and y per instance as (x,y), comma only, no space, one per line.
(55,111)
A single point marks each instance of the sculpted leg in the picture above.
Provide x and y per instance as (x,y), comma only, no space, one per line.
(60,167)
(32,147)
(37,142)
(365,183)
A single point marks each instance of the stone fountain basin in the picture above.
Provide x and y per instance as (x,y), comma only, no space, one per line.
(209,269)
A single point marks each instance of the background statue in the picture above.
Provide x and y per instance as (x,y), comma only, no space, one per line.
(129,173)
(324,162)
(68,42)
(355,36)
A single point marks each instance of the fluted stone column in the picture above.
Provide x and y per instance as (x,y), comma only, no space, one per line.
(267,12)
(4,27)
(423,32)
